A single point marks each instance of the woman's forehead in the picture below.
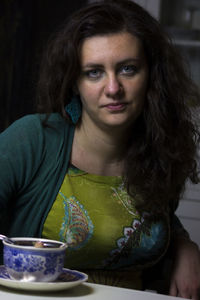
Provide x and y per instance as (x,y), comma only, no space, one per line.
(122,45)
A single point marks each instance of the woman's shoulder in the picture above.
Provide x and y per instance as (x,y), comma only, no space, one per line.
(37,120)
(21,128)
(36,123)
(35,129)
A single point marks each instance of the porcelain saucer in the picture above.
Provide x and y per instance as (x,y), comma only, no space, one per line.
(68,279)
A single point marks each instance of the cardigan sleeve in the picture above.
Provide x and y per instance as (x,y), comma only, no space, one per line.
(18,161)
(178,230)
(33,162)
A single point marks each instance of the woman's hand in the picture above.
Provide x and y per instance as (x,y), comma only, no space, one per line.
(185,279)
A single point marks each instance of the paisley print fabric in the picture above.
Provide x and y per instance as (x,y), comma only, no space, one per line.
(106,235)
(77,227)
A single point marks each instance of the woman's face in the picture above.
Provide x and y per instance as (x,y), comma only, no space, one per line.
(113,80)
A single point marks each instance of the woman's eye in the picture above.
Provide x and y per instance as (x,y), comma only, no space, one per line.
(93,74)
(128,70)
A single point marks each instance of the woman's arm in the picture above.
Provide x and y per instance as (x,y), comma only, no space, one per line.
(185,276)
(17,161)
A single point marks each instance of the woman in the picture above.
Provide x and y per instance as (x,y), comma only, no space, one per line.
(103,165)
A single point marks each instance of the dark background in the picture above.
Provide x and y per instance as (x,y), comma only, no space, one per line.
(25,26)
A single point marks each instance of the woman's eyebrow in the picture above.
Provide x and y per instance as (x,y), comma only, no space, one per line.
(92,65)
(128,61)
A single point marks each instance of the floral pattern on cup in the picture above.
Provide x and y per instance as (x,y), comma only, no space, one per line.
(33,265)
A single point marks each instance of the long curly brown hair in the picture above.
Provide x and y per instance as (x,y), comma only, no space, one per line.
(162,149)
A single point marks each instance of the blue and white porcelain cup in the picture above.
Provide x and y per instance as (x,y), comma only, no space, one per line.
(34,259)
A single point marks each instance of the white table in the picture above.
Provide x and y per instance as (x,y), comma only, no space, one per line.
(84,291)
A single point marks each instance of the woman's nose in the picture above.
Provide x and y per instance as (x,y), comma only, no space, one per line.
(113,87)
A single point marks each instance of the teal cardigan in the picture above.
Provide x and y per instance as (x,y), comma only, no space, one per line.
(33,163)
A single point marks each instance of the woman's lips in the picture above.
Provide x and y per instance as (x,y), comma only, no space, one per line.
(115,106)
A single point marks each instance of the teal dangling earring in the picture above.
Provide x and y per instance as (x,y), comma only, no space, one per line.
(74,109)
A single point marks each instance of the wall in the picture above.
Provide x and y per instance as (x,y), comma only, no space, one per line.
(25,27)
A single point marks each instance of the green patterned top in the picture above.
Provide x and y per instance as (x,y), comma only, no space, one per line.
(107,238)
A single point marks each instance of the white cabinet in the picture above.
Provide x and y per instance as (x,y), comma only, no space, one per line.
(181,19)
(153,6)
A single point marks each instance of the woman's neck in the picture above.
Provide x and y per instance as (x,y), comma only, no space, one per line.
(98,151)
